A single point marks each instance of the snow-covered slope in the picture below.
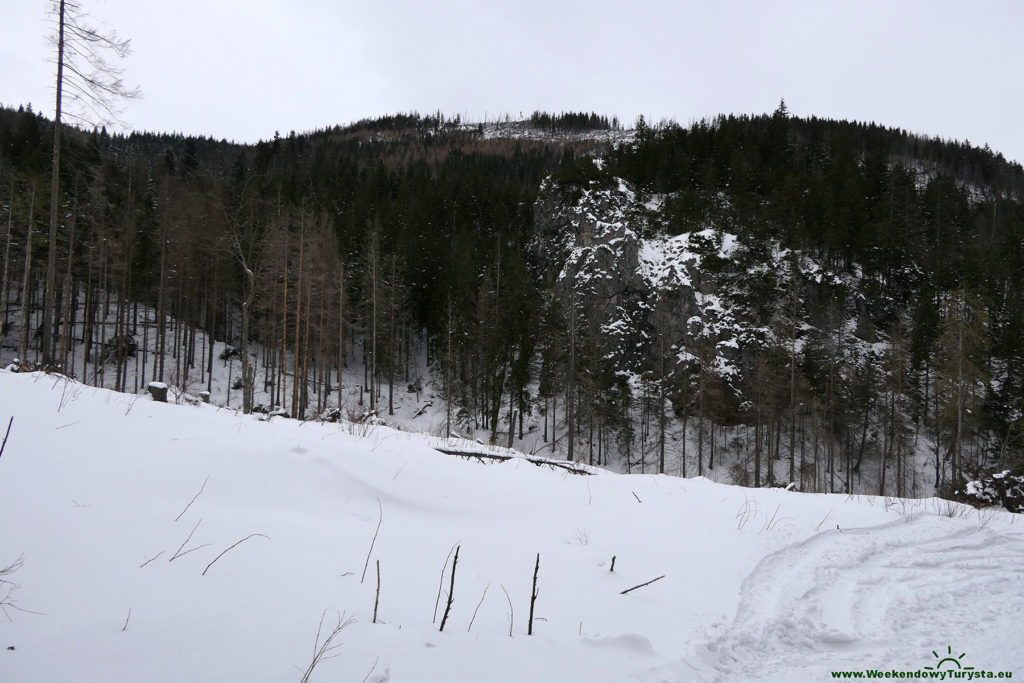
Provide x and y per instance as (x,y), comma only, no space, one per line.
(125,514)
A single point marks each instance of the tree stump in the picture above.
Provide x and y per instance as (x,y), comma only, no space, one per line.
(158,390)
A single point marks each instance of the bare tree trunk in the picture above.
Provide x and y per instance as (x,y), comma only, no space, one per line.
(960,387)
(792,396)
(76,296)
(391,341)
(211,312)
(176,338)
(757,448)
(554,414)
(323,369)
(304,402)
(87,318)
(900,485)
(570,398)
(98,358)
(5,287)
(68,317)
(247,375)
(447,375)
(51,256)
(283,381)
(341,331)
(546,414)
(298,322)
(661,407)
(120,331)
(159,342)
(373,325)
(511,411)
(26,281)
(700,418)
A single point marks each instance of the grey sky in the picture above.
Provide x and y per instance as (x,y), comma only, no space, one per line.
(241,69)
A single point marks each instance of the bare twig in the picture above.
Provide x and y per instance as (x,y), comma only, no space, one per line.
(11,568)
(511,611)
(131,403)
(367,676)
(768,525)
(63,393)
(477,608)
(451,590)
(369,552)
(125,627)
(636,496)
(178,552)
(376,600)
(5,602)
(613,564)
(648,583)
(192,550)
(326,649)
(440,584)
(237,543)
(5,594)
(775,520)
(747,511)
(9,423)
(533,596)
(151,559)
(823,519)
(193,499)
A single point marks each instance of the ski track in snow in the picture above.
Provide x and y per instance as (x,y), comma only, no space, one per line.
(882,597)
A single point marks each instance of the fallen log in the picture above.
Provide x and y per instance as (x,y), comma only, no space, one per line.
(481,456)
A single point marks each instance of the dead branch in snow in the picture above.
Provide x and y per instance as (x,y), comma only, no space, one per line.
(380,518)
(193,499)
(237,543)
(648,583)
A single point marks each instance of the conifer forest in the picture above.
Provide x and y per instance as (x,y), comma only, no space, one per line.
(765,300)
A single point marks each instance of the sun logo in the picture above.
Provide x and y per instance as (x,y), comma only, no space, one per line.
(950,659)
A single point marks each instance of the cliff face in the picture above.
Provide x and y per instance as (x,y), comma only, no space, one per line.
(707,301)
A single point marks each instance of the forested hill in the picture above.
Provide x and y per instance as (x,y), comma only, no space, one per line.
(830,303)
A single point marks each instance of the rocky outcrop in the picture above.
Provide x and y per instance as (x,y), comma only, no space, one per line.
(712,299)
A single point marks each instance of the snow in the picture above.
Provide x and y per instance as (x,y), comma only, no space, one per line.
(666,261)
(767,584)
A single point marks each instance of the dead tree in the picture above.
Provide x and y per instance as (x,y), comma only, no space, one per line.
(89,80)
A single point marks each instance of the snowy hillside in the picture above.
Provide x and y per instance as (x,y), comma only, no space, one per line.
(761,300)
(157,542)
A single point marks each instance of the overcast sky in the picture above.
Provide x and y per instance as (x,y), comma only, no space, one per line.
(242,69)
